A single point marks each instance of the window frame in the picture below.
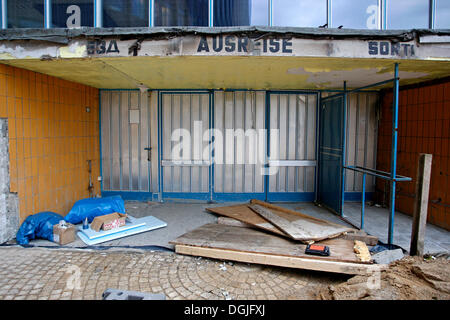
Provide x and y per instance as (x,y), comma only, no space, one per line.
(98,9)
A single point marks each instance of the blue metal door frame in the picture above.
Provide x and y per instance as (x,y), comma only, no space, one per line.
(211,195)
(331,154)
(126,195)
(205,196)
(287,196)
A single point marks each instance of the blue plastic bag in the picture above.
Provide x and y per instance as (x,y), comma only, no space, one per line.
(38,225)
(94,207)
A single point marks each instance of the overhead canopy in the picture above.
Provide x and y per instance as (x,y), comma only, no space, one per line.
(227,58)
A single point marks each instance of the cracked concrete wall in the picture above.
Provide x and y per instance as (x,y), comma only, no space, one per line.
(9,213)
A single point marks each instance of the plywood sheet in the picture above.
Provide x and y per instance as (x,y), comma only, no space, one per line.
(356,235)
(244,214)
(233,222)
(298,225)
(253,241)
(300,228)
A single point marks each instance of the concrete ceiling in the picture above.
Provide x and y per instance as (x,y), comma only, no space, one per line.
(232,72)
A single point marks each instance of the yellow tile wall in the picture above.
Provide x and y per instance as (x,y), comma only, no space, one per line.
(51,137)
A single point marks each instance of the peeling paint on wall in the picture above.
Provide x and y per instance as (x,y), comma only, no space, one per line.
(74,50)
(227,45)
(26,50)
(180,72)
(9,214)
(334,79)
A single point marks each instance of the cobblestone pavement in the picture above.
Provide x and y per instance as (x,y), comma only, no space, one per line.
(40,273)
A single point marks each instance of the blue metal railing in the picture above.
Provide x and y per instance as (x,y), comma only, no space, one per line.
(391,176)
(375,173)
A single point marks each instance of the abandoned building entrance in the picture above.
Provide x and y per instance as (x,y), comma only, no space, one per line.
(234,145)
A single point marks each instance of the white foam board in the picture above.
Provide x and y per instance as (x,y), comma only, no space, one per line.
(137,225)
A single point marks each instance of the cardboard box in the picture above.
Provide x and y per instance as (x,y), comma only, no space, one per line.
(108,221)
(64,235)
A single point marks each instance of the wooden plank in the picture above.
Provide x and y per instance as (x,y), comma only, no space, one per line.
(369,240)
(362,251)
(292,212)
(356,235)
(250,240)
(300,227)
(244,214)
(281,261)
(233,222)
(421,204)
(294,231)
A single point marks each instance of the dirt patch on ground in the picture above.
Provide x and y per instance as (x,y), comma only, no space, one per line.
(411,278)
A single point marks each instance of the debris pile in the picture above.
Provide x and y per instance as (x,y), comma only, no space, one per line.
(410,278)
(262,233)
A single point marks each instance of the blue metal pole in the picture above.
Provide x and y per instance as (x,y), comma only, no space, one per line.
(160,175)
(316,168)
(383,15)
(267,153)
(344,130)
(47,14)
(4,14)
(100,137)
(270,13)
(211,145)
(431,14)
(363,200)
(150,13)
(329,16)
(394,155)
(98,13)
(211,13)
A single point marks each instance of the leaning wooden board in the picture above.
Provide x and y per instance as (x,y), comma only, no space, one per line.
(287,213)
(248,245)
(244,214)
(298,227)
(357,235)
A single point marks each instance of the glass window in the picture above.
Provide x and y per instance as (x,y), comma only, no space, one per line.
(362,14)
(260,13)
(181,13)
(229,13)
(25,13)
(72,13)
(299,13)
(125,13)
(407,14)
(442,14)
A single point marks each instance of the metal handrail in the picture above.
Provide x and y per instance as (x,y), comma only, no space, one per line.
(376,173)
